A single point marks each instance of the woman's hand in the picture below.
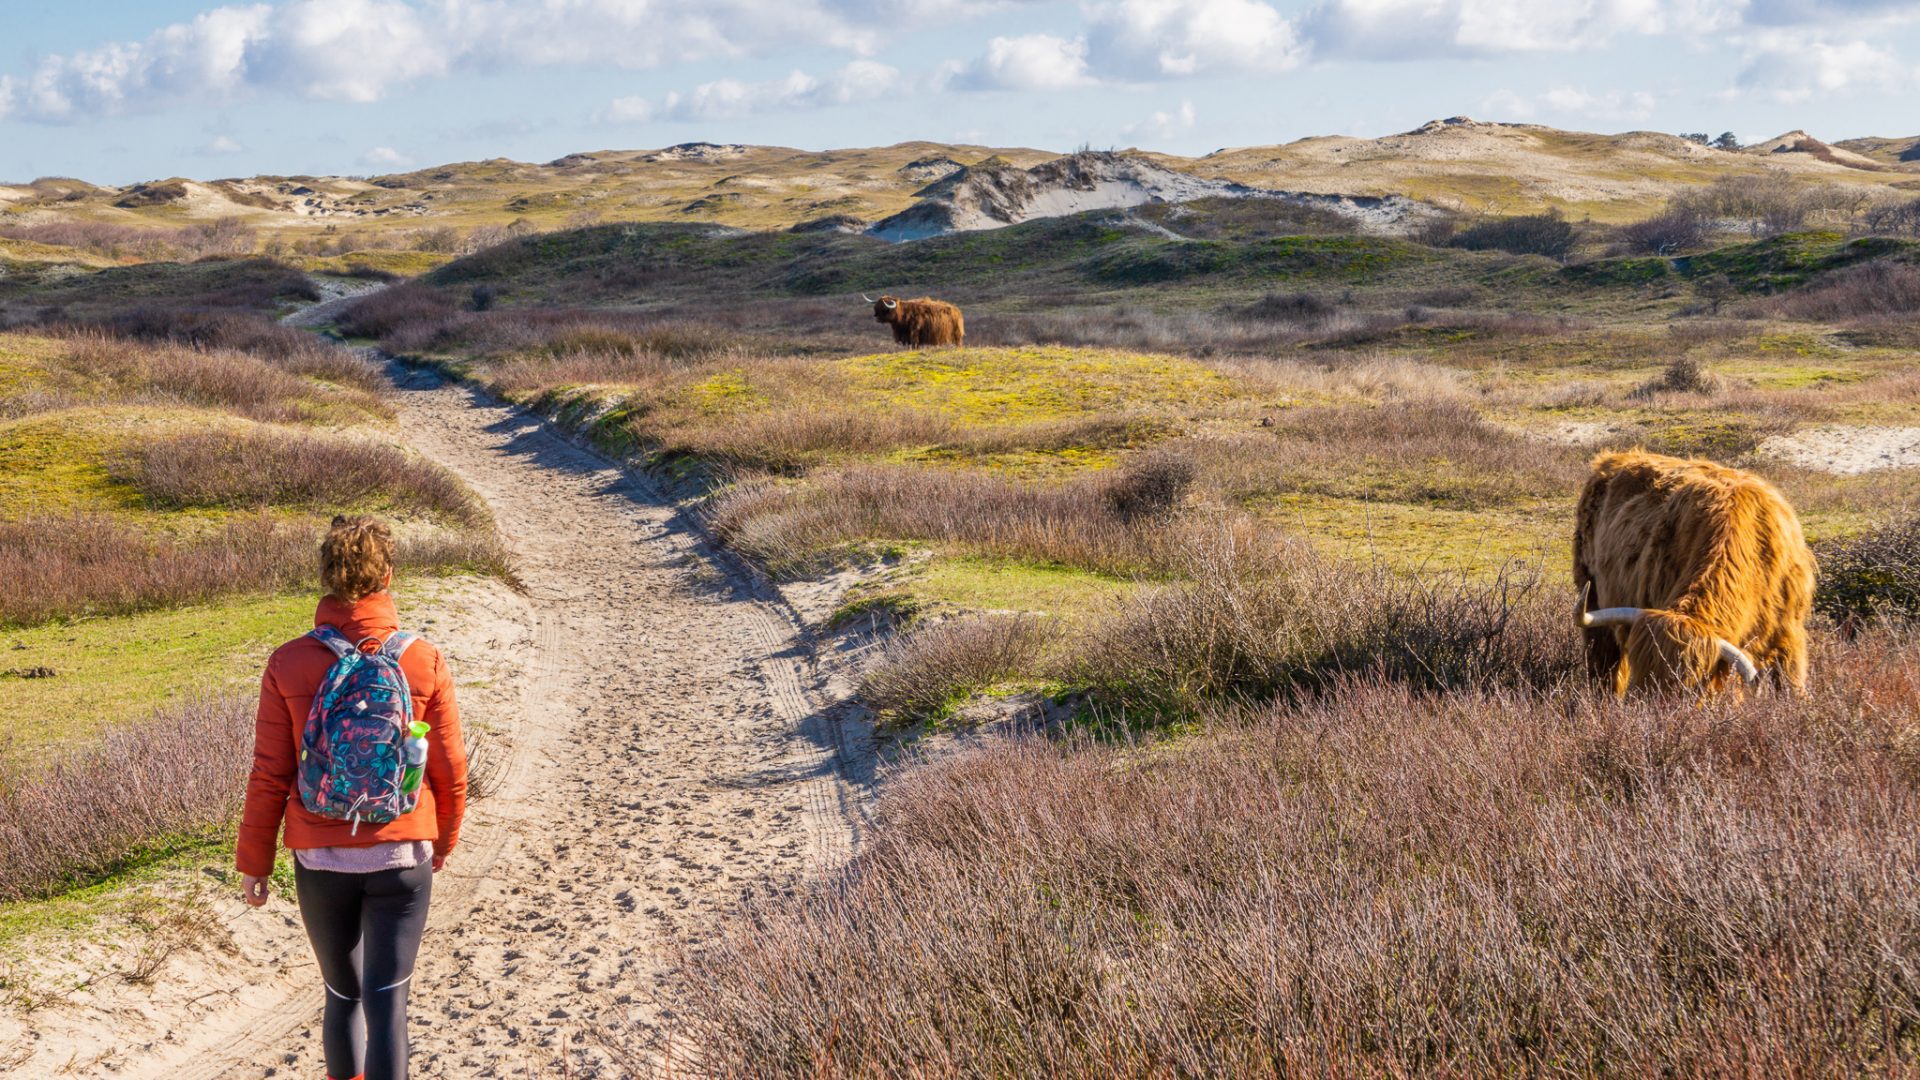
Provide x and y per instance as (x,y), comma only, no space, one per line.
(439,861)
(253,889)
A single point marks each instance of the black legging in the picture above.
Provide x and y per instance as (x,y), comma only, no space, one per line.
(365,930)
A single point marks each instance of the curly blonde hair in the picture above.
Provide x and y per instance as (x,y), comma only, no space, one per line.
(356,557)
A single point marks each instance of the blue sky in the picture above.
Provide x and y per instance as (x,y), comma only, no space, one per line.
(118,90)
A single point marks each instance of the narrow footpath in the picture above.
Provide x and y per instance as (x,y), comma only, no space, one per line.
(673,754)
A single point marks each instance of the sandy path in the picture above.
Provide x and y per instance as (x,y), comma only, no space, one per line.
(671,760)
(665,747)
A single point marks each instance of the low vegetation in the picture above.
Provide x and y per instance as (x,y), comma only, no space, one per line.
(1376,881)
(1272,516)
(170,779)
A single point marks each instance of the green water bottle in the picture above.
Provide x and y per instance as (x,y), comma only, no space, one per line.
(416,750)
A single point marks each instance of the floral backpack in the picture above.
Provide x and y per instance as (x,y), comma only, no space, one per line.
(354,750)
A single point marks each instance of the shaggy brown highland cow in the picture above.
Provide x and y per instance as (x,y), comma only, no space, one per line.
(1689,571)
(920,323)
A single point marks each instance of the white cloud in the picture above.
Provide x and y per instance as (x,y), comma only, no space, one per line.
(1611,105)
(731,99)
(1790,69)
(222,144)
(1423,29)
(385,157)
(627,110)
(1028,62)
(1148,38)
(1507,105)
(361,50)
(1164,125)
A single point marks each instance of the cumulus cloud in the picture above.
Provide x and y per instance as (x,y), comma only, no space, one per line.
(385,157)
(1164,124)
(731,99)
(1423,29)
(1028,62)
(1791,69)
(1612,106)
(361,50)
(222,144)
(1147,38)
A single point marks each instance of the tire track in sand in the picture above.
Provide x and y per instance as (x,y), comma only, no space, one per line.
(675,757)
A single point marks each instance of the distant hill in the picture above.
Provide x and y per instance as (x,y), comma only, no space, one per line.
(923,188)
(1900,151)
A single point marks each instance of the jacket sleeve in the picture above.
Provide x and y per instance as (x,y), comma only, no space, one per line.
(268,783)
(446,758)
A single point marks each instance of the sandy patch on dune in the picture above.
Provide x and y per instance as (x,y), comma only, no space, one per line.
(1847,450)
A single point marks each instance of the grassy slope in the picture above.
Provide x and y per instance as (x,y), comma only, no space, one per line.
(1614,339)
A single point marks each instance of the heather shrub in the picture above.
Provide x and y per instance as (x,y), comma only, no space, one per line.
(286,347)
(385,311)
(1869,290)
(1248,621)
(925,673)
(259,387)
(175,775)
(1299,307)
(1376,881)
(790,528)
(72,565)
(1153,485)
(1873,576)
(1530,234)
(262,467)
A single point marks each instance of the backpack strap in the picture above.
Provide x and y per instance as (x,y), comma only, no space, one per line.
(332,639)
(396,644)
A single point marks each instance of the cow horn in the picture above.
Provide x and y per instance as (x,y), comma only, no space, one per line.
(891,304)
(1738,660)
(867,298)
(1613,616)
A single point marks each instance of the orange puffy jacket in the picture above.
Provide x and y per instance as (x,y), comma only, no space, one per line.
(286,693)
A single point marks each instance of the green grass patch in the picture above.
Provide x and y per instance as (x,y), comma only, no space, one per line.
(1432,539)
(1013,385)
(57,462)
(1788,260)
(976,583)
(115,669)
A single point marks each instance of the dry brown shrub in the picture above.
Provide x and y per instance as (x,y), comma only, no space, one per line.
(1247,621)
(175,775)
(257,387)
(72,565)
(258,468)
(1374,882)
(924,673)
(789,528)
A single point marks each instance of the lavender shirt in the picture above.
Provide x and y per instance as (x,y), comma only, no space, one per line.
(367,858)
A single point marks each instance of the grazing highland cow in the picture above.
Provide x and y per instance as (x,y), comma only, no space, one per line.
(919,323)
(1689,571)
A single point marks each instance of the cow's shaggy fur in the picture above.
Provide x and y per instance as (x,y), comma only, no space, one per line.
(921,323)
(1712,554)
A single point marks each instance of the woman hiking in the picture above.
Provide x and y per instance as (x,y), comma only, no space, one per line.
(346,715)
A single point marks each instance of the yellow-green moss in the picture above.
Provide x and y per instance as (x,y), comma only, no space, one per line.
(1010,385)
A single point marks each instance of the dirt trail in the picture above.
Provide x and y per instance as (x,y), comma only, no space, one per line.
(673,757)
(666,746)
